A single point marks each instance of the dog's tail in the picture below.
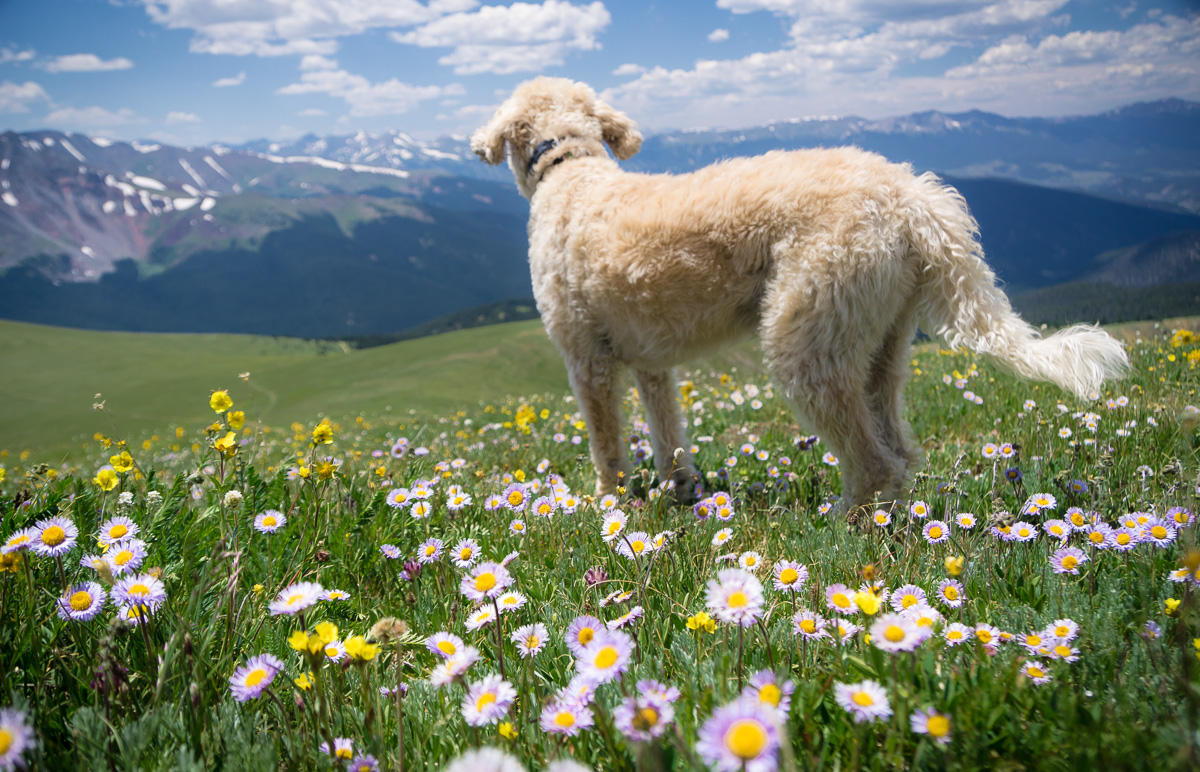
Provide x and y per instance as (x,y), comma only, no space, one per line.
(967,308)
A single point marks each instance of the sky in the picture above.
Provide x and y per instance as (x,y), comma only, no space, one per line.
(195,72)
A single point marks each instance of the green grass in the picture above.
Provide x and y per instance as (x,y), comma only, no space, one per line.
(155,382)
(103,695)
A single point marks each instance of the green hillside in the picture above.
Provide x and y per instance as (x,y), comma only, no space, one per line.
(153,382)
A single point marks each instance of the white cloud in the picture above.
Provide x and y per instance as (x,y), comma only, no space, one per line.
(312,112)
(85,63)
(718,36)
(391,97)
(628,69)
(11,55)
(180,117)
(91,117)
(1019,74)
(278,28)
(522,37)
(234,80)
(18,97)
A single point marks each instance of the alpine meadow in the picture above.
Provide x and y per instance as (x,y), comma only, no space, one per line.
(435,588)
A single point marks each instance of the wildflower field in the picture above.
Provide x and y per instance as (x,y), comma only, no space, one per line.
(389,592)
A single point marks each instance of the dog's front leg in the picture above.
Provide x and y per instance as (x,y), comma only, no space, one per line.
(594,382)
(672,452)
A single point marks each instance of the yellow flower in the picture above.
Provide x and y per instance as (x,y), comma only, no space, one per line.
(325,470)
(258,589)
(122,462)
(702,621)
(1182,338)
(327,632)
(11,563)
(298,640)
(1172,606)
(227,446)
(304,682)
(322,434)
(220,401)
(506,730)
(358,648)
(954,565)
(107,479)
(237,419)
(867,602)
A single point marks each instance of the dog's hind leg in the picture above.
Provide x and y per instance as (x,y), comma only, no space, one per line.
(667,435)
(885,393)
(594,382)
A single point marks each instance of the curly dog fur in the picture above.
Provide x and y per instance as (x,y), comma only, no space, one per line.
(832,256)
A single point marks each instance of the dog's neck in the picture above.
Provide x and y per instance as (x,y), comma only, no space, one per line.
(575,148)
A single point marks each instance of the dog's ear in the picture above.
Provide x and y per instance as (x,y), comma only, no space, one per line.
(488,141)
(618,130)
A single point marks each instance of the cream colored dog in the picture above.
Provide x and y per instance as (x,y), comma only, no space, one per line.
(831,256)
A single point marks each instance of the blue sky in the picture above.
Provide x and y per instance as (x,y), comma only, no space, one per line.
(199,71)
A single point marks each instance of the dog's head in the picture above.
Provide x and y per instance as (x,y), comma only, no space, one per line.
(546,119)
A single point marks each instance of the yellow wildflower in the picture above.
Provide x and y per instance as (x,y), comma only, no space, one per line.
(702,621)
(237,419)
(107,479)
(954,565)
(358,648)
(227,446)
(322,434)
(1172,606)
(123,462)
(304,681)
(867,602)
(508,732)
(220,401)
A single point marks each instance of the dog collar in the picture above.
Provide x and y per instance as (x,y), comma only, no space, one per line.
(539,151)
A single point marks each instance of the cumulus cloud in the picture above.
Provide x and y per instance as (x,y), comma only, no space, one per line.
(19,97)
(268,28)
(88,118)
(718,36)
(391,97)
(522,37)
(628,69)
(176,116)
(234,80)
(85,63)
(1025,64)
(12,55)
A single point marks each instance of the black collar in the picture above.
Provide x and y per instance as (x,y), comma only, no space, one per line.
(539,151)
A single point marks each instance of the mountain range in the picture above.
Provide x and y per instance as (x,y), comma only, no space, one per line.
(371,234)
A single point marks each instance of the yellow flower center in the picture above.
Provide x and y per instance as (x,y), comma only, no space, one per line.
(1056,530)
(586,635)
(841,601)
(1036,672)
(81,600)
(532,642)
(894,633)
(909,600)
(738,599)
(1023,532)
(1159,532)
(606,658)
(54,536)
(1062,651)
(750,560)
(613,527)
(936,532)
(955,635)
(789,575)
(1077,519)
(141,591)
(951,592)
(808,625)
(1123,539)
(863,699)
(1033,640)
(984,636)
(746,739)
(644,719)
(430,550)
(485,699)
(1062,631)
(256,677)
(519,526)
(880,517)
(515,498)
(938,726)
(1096,537)
(1070,561)
(344,753)
(6,741)
(770,694)
(269,521)
(117,531)
(465,554)
(638,545)
(447,648)
(331,651)
(485,581)
(565,719)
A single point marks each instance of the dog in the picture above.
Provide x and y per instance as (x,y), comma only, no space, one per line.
(832,256)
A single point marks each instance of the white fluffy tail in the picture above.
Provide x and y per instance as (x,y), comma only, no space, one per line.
(962,300)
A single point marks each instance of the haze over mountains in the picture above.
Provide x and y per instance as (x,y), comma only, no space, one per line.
(370,234)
